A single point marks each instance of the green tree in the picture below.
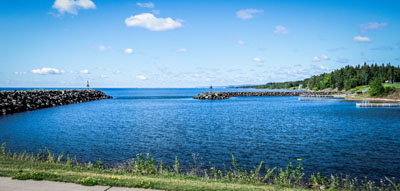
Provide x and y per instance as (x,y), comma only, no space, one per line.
(376,88)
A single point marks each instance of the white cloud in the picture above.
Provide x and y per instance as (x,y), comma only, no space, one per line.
(372,26)
(181,50)
(240,42)
(84,71)
(146,5)
(149,21)
(320,58)
(72,6)
(323,68)
(361,39)
(157,12)
(324,57)
(316,59)
(141,77)
(19,73)
(248,13)
(257,59)
(281,30)
(128,50)
(117,72)
(45,70)
(103,76)
(103,47)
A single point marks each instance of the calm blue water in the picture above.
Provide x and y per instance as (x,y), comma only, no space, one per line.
(330,137)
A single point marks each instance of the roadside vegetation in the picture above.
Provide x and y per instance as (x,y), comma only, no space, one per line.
(143,171)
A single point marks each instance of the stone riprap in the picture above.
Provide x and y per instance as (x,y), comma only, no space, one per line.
(19,101)
(227,95)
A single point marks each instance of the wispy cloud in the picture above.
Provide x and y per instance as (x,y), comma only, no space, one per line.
(145,5)
(362,39)
(181,50)
(324,68)
(372,26)
(383,48)
(281,30)
(72,6)
(19,73)
(84,71)
(257,59)
(44,71)
(128,50)
(103,47)
(240,42)
(342,60)
(141,77)
(248,13)
(150,22)
(320,58)
(317,69)
(336,49)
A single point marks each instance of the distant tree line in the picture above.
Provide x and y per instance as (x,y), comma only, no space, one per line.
(343,79)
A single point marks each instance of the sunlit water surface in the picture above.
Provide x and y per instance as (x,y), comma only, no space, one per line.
(329,137)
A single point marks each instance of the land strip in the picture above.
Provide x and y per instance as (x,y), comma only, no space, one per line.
(25,170)
(227,95)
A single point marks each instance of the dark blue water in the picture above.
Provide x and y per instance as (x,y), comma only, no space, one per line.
(330,137)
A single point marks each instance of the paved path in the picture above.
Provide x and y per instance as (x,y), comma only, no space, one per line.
(8,184)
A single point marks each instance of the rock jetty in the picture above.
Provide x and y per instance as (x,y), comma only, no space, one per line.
(227,95)
(19,101)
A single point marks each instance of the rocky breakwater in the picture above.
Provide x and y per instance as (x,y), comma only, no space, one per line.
(19,101)
(227,95)
(213,95)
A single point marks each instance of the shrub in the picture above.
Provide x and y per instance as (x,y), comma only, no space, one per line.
(176,165)
(3,150)
(376,88)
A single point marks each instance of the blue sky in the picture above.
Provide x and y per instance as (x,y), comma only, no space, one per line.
(126,43)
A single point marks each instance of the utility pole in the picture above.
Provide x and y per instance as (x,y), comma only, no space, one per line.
(366,83)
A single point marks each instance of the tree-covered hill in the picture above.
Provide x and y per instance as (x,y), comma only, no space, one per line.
(342,79)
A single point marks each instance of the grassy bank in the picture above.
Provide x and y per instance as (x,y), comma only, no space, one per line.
(389,92)
(143,172)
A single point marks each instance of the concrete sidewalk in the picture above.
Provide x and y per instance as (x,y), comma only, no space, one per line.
(8,184)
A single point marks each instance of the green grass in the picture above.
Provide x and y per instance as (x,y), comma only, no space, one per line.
(357,89)
(362,88)
(23,170)
(143,172)
(391,85)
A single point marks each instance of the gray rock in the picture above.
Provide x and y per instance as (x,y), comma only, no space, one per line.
(18,101)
